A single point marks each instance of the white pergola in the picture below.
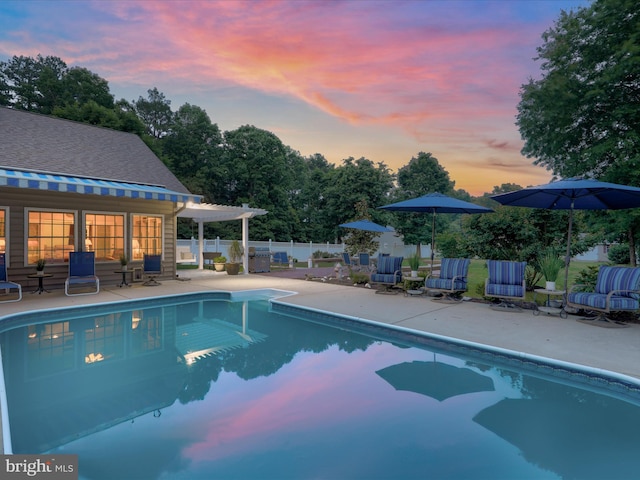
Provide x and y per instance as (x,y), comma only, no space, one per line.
(207,212)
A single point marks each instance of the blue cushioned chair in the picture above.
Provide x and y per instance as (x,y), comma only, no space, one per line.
(365,263)
(82,273)
(388,273)
(151,268)
(617,289)
(281,259)
(5,284)
(452,279)
(506,282)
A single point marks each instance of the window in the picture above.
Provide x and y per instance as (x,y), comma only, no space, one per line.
(104,235)
(51,235)
(3,222)
(146,236)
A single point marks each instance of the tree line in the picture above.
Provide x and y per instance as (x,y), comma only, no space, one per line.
(580,118)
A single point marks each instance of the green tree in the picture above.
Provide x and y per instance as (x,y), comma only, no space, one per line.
(360,240)
(80,86)
(192,147)
(353,182)
(312,179)
(422,175)
(582,117)
(155,112)
(254,170)
(33,83)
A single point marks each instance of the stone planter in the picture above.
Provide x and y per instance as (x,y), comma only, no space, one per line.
(219,267)
(232,268)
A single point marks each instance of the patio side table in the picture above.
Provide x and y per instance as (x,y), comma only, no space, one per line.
(547,308)
(124,277)
(40,278)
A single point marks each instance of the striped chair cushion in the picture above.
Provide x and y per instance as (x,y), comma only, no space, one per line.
(389,265)
(506,273)
(495,289)
(599,300)
(454,267)
(618,278)
(445,284)
(385,278)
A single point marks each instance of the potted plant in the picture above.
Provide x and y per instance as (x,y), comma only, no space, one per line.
(549,265)
(40,263)
(218,263)
(124,261)
(414,264)
(235,256)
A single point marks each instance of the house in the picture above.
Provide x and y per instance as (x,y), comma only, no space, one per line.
(67,186)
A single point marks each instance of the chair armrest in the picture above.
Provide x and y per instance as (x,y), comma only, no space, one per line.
(617,292)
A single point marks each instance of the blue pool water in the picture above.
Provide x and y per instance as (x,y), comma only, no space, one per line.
(202,387)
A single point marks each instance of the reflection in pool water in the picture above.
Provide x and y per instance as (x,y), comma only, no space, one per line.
(210,388)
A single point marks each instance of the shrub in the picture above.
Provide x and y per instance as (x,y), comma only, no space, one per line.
(451,245)
(619,254)
(359,278)
(588,277)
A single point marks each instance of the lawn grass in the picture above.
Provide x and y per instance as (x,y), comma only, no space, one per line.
(478,274)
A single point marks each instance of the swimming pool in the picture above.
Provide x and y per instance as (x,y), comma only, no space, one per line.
(234,386)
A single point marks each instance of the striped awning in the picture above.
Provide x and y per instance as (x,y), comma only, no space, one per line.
(91,186)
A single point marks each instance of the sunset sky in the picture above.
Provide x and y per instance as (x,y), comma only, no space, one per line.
(377,79)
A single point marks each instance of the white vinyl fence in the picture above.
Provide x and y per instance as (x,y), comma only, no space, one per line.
(301,251)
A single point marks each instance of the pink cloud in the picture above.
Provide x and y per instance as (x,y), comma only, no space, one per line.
(432,72)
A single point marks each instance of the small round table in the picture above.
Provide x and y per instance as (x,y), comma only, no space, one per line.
(409,282)
(40,278)
(547,308)
(124,277)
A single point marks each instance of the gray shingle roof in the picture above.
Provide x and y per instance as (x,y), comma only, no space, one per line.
(31,141)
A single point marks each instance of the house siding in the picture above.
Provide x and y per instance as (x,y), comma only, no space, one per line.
(18,200)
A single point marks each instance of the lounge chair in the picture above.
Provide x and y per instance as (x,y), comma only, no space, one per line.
(5,284)
(506,282)
(151,268)
(388,273)
(452,279)
(346,261)
(281,259)
(617,289)
(82,273)
(365,263)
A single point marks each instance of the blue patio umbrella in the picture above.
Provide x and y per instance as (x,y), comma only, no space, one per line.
(366,225)
(573,194)
(436,203)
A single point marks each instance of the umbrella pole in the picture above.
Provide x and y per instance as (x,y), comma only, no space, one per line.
(433,239)
(567,258)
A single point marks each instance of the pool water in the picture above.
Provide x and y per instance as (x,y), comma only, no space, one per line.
(205,387)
